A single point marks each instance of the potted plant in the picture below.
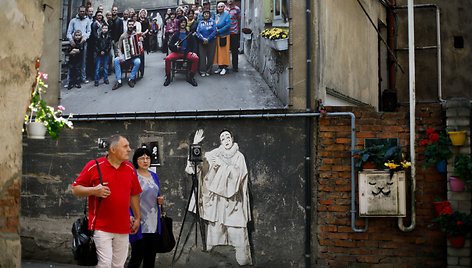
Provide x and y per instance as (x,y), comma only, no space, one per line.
(437,150)
(372,157)
(442,206)
(278,38)
(247,33)
(455,224)
(463,170)
(41,117)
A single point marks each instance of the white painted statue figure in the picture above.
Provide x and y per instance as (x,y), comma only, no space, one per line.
(223,196)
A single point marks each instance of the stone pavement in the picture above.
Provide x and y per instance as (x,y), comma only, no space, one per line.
(37,264)
(236,90)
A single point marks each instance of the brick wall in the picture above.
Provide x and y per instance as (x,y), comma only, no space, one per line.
(10,208)
(383,244)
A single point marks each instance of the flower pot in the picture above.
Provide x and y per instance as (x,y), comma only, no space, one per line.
(457,137)
(35,130)
(247,36)
(279,44)
(368,165)
(457,242)
(441,166)
(457,185)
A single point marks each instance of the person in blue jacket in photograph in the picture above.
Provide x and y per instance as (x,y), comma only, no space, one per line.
(206,33)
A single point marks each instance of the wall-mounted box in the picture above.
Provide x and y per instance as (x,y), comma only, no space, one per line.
(382,195)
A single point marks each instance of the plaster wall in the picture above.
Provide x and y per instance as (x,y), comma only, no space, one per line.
(455,62)
(274,153)
(17,72)
(273,65)
(50,57)
(125,4)
(348,49)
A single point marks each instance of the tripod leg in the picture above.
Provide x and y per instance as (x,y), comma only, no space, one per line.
(183,221)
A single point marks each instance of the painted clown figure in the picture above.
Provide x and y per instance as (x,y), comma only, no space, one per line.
(223,196)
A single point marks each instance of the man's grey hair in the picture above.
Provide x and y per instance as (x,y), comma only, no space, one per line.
(113,141)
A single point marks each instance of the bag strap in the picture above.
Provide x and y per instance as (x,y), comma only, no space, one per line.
(99,199)
(163,212)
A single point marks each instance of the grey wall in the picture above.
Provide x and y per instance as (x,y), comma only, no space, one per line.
(274,152)
(456,62)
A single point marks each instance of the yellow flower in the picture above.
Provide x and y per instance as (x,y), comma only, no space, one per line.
(406,164)
(391,165)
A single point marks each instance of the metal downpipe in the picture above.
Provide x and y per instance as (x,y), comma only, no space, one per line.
(411,67)
(308,140)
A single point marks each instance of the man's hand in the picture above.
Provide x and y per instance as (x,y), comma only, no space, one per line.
(160,200)
(205,41)
(102,53)
(121,59)
(83,40)
(72,43)
(102,191)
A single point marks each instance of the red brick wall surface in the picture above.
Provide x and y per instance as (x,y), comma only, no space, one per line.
(384,244)
(10,208)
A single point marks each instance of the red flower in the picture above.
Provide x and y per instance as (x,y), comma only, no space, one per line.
(446,211)
(434,137)
(425,142)
(429,131)
(459,223)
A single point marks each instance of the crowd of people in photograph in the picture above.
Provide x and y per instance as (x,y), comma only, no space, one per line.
(195,33)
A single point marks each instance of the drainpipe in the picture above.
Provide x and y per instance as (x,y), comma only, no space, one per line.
(391,44)
(290,54)
(411,67)
(308,139)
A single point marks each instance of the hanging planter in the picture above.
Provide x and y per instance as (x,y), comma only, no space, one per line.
(457,185)
(457,137)
(279,44)
(457,242)
(247,33)
(278,38)
(35,130)
(441,166)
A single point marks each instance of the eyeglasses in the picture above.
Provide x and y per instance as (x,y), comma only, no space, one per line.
(144,159)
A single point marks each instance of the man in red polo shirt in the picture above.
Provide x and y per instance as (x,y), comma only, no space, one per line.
(119,191)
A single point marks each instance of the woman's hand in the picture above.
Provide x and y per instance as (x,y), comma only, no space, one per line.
(160,200)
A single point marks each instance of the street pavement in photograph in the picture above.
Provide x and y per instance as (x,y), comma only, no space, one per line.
(244,90)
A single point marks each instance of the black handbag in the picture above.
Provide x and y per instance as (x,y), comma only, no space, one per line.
(83,245)
(165,242)
(223,41)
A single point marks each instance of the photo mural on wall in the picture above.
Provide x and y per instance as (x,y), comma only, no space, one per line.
(223,195)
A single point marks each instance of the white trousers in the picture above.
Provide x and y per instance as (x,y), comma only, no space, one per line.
(112,249)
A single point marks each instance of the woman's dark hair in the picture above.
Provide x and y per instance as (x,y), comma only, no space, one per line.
(138,153)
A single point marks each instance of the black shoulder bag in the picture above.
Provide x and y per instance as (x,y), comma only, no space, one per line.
(83,245)
(165,241)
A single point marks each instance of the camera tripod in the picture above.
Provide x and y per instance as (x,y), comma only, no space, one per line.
(197,219)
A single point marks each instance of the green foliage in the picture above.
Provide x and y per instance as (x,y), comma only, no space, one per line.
(374,154)
(437,147)
(43,113)
(463,169)
(454,224)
